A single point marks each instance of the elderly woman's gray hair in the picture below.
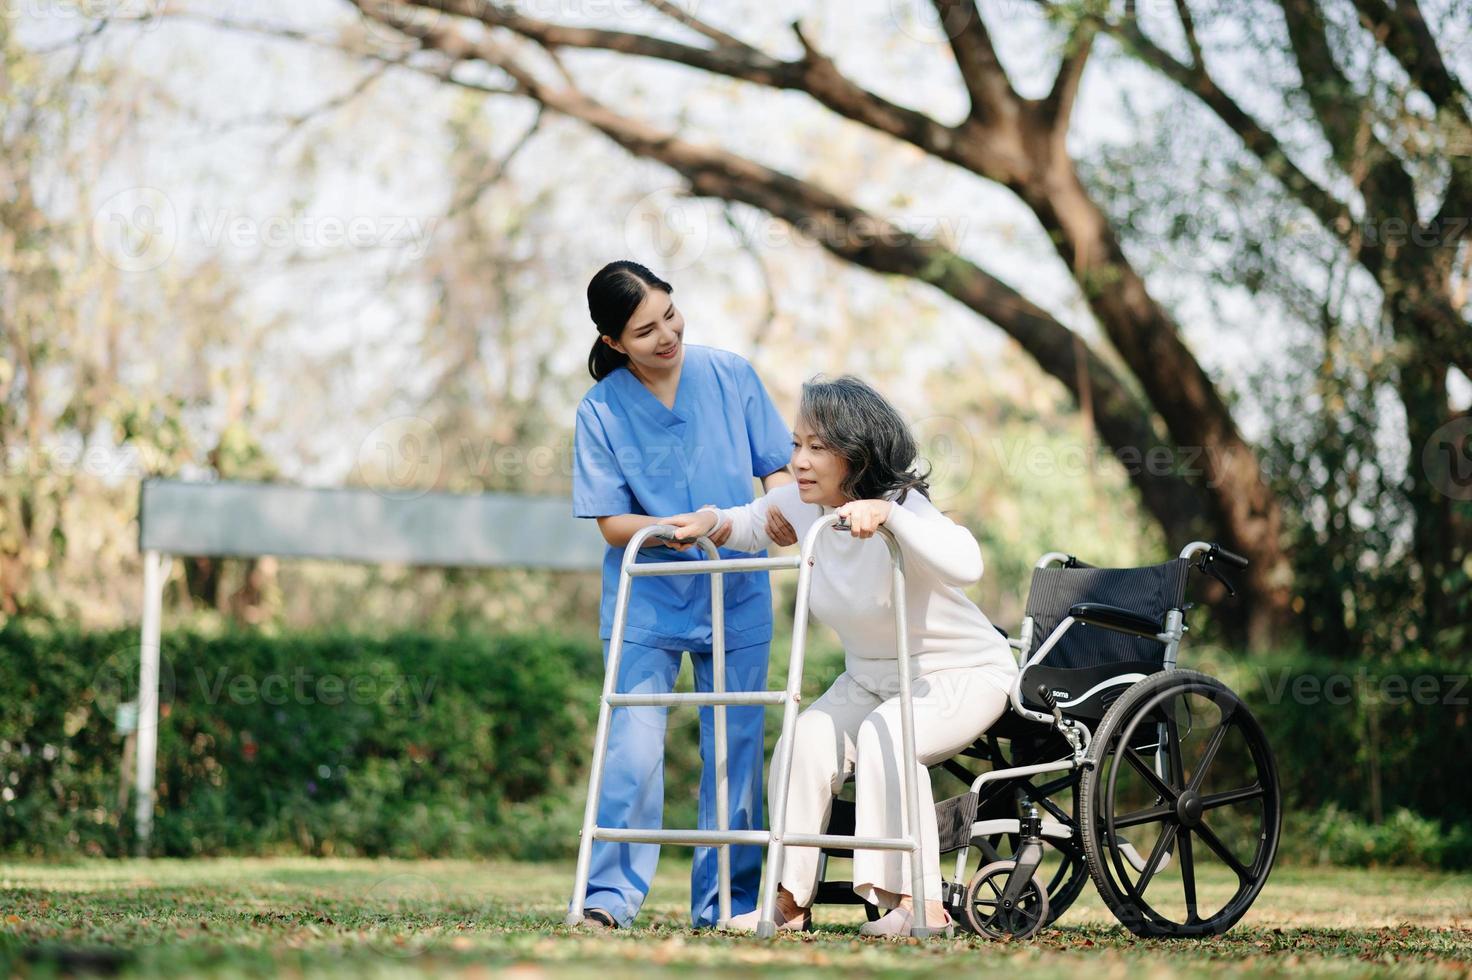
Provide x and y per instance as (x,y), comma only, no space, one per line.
(861,426)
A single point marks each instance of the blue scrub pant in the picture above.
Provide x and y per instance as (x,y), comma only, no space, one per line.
(633,783)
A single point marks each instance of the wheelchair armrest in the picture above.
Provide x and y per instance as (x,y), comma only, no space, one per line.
(1115,618)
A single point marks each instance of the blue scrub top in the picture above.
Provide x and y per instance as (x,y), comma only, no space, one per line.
(632,455)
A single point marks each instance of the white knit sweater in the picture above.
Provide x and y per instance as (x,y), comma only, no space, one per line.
(851,584)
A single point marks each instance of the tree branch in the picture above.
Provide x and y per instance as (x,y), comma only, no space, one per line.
(1343,115)
(1332,213)
(1058,105)
(993,100)
(1403,32)
(1188,26)
(675,13)
(815,74)
(872,242)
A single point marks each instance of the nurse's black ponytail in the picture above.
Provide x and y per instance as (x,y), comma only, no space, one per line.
(613,296)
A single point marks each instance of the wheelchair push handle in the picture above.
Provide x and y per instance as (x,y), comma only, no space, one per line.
(1215,556)
(1230,557)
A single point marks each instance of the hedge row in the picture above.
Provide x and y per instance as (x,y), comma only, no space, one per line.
(413,745)
(402,745)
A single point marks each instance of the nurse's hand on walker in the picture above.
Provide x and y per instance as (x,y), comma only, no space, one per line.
(864,516)
(691,526)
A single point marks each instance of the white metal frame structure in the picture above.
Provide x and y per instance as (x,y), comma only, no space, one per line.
(238,519)
(776,838)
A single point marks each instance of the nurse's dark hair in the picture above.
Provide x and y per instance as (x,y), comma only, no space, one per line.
(860,425)
(613,296)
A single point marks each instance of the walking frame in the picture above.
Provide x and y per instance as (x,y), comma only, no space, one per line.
(776,839)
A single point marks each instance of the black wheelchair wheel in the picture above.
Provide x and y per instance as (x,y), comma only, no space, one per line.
(1064,871)
(1180,812)
(988,915)
(1063,882)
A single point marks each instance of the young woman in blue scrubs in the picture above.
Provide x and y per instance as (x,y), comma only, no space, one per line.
(668,428)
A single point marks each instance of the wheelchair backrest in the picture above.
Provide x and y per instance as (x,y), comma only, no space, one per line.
(1089,667)
(1151,590)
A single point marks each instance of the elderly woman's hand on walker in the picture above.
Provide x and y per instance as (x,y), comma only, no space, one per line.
(864,516)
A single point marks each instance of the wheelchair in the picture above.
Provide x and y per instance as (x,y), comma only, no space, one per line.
(1161,786)
(1111,764)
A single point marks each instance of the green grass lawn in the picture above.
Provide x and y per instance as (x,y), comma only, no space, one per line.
(412,918)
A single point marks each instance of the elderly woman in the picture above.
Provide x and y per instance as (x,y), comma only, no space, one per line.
(854,454)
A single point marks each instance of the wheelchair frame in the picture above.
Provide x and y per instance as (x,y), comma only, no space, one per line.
(1074,731)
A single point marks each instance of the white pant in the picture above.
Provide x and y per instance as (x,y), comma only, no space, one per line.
(855,728)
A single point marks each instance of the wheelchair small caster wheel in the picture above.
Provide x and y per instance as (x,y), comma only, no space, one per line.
(996,917)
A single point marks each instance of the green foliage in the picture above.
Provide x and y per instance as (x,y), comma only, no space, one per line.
(1333,836)
(1365,737)
(402,745)
(409,745)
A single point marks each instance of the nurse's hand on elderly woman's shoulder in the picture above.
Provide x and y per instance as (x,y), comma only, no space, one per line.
(778,528)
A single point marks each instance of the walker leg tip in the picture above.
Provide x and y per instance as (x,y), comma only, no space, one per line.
(766,930)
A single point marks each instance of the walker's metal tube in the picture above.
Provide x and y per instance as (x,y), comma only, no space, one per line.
(782,761)
(605,709)
(708,567)
(918,927)
(718,687)
(845,841)
(699,838)
(701,698)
